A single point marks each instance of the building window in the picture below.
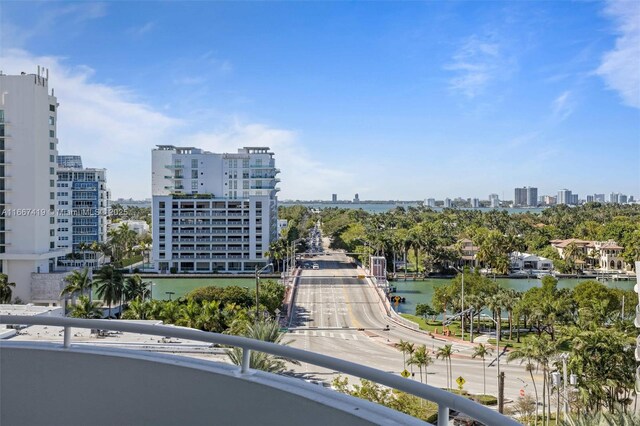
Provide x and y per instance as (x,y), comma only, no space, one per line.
(52,183)
(52,145)
(52,134)
(52,121)
(52,232)
(52,195)
(245,163)
(52,158)
(194,163)
(194,174)
(52,108)
(52,171)
(194,184)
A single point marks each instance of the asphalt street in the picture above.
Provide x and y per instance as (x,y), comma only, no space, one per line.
(337,313)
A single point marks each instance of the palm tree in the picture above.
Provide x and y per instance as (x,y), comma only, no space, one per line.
(482,351)
(5,289)
(190,315)
(85,308)
(403,347)
(137,310)
(135,288)
(267,331)
(421,358)
(445,353)
(78,282)
(109,285)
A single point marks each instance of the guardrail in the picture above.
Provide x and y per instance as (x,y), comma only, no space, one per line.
(444,399)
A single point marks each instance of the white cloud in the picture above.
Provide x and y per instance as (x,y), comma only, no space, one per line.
(301,173)
(141,30)
(620,67)
(112,129)
(562,106)
(104,124)
(475,64)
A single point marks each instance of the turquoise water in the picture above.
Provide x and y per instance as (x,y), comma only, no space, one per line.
(182,286)
(421,291)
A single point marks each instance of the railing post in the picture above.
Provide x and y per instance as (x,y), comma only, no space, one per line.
(443,415)
(246,357)
(67,337)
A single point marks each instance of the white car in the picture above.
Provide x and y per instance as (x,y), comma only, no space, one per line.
(316,266)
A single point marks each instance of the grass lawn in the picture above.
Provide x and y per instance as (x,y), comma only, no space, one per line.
(131,260)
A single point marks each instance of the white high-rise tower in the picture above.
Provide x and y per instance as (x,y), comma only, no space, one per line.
(28,150)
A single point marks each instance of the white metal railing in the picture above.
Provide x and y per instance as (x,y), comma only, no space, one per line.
(444,399)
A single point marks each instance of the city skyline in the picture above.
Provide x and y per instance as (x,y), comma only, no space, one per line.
(427,99)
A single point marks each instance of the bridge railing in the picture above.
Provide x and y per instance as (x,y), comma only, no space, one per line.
(445,400)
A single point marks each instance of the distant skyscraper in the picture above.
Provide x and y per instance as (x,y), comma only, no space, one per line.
(475,203)
(520,197)
(334,198)
(574,199)
(564,196)
(447,202)
(431,202)
(614,197)
(590,198)
(622,199)
(598,198)
(356,198)
(494,201)
(532,196)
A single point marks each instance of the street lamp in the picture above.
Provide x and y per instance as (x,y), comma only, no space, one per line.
(258,271)
(151,284)
(170,293)
(497,352)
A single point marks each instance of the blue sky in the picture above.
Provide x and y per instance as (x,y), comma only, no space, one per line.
(393,100)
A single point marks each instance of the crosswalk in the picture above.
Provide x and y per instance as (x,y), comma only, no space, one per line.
(330,334)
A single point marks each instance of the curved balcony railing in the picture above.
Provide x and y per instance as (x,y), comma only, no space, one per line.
(444,399)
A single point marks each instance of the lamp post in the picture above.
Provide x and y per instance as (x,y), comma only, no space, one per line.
(170,293)
(497,352)
(151,284)
(258,271)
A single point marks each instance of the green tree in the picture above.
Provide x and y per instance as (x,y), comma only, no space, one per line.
(78,283)
(135,288)
(421,358)
(5,289)
(482,351)
(271,295)
(109,285)
(85,308)
(445,353)
(267,331)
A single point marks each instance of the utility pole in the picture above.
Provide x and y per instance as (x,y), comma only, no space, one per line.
(501,392)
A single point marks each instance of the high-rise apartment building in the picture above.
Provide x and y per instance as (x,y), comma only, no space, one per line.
(83,199)
(28,150)
(334,198)
(213,212)
(520,197)
(590,199)
(526,196)
(475,203)
(431,202)
(494,201)
(564,197)
(598,198)
(447,202)
(356,198)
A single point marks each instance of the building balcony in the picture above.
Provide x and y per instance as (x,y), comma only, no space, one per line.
(174,166)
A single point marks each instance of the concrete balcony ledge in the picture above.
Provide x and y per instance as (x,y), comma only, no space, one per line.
(48,383)
(44,383)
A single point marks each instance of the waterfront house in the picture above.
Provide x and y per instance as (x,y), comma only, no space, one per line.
(529,262)
(605,256)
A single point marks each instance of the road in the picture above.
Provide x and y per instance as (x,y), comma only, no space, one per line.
(337,314)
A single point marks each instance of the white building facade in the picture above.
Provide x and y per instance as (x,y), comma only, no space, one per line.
(28,151)
(213,212)
(83,200)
